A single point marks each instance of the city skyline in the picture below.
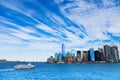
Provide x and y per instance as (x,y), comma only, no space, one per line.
(34,30)
(104,54)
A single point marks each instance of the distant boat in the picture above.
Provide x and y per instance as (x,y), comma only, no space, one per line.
(60,62)
(24,66)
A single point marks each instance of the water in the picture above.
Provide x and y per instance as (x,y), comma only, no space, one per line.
(44,71)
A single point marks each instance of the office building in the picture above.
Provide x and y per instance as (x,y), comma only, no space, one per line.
(111,53)
(92,56)
(56,57)
(101,52)
(97,55)
(78,57)
(115,53)
(107,52)
(63,51)
(85,56)
(69,57)
(73,55)
(59,57)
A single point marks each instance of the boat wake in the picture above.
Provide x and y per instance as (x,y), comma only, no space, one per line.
(2,70)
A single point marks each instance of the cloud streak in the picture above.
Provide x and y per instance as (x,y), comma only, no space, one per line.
(37,28)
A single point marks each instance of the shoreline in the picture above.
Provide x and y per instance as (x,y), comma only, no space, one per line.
(88,62)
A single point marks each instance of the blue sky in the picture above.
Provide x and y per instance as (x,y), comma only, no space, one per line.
(32,30)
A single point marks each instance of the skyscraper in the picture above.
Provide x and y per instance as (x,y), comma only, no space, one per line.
(111,53)
(92,56)
(59,57)
(78,57)
(73,55)
(108,53)
(101,52)
(63,51)
(97,55)
(115,53)
(69,57)
(56,57)
(85,56)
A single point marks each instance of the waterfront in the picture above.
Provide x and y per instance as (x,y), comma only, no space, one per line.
(105,54)
(44,71)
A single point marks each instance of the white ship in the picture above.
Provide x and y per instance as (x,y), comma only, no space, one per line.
(24,66)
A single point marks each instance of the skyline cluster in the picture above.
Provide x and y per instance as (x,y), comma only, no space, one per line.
(105,54)
(32,30)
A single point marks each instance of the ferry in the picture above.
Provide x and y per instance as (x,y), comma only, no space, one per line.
(24,66)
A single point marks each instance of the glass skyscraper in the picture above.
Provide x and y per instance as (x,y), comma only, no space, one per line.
(63,51)
(56,56)
(92,56)
(73,53)
(59,57)
(115,53)
(108,53)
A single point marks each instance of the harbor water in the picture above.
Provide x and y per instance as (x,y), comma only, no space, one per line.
(44,71)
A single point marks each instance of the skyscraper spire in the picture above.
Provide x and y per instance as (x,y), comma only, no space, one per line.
(63,51)
(63,48)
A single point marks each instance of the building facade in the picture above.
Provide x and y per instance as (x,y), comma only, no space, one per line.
(78,57)
(92,56)
(85,56)
(59,57)
(56,57)
(63,51)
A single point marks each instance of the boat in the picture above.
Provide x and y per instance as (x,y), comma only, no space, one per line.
(60,62)
(24,66)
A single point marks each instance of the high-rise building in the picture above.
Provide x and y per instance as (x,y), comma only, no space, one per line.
(92,56)
(97,55)
(89,57)
(73,55)
(79,53)
(85,56)
(59,57)
(111,53)
(101,52)
(69,57)
(78,57)
(115,53)
(108,53)
(63,51)
(56,57)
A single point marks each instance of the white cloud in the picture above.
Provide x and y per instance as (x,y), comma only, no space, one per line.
(35,51)
(27,29)
(5,38)
(19,7)
(46,28)
(108,3)
(95,21)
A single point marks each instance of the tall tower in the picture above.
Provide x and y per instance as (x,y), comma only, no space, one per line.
(107,53)
(115,53)
(72,53)
(63,51)
(92,56)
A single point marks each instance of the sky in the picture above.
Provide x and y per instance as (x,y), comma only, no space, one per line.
(33,30)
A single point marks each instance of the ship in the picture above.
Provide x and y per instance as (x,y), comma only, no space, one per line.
(24,66)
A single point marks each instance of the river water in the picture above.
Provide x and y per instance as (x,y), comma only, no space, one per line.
(44,71)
